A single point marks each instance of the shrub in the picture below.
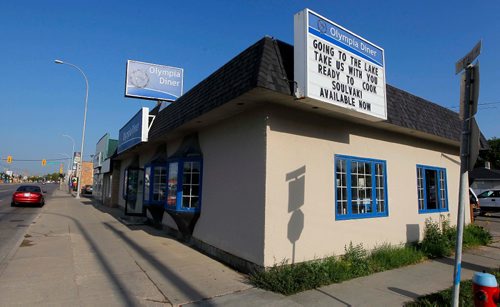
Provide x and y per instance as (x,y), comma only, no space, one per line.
(475,235)
(437,240)
(356,259)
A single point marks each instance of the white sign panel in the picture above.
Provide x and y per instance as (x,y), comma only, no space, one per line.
(338,68)
(153,81)
(135,131)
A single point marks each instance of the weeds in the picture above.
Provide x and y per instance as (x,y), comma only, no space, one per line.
(439,241)
(356,262)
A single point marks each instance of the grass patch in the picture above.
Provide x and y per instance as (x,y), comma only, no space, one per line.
(356,262)
(439,241)
(387,257)
(444,298)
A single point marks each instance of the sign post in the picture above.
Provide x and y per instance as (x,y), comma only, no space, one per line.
(468,150)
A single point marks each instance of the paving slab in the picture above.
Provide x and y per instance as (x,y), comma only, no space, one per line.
(81,254)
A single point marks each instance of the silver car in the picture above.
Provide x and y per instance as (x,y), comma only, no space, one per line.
(489,200)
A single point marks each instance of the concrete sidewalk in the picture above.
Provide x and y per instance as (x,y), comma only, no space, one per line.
(77,253)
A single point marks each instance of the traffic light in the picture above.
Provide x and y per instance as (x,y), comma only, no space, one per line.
(9,159)
(44,162)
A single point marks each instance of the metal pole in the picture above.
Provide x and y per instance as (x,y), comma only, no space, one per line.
(70,167)
(462,197)
(79,169)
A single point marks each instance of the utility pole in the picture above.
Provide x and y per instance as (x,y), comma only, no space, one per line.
(469,150)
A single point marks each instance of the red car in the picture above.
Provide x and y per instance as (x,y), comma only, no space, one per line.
(28,194)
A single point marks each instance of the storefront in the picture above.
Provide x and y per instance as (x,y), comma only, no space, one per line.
(103,177)
(252,170)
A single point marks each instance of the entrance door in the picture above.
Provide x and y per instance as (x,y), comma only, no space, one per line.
(134,192)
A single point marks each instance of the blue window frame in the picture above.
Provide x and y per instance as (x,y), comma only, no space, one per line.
(184,185)
(155,183)
(432,189)
(360,188)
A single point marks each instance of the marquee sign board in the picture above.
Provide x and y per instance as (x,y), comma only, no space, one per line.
(135,131)
(153,81)
(337,69)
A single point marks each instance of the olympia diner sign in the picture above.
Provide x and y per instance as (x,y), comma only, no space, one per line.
(337,69)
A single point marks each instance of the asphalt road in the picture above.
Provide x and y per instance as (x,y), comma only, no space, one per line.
(14,221)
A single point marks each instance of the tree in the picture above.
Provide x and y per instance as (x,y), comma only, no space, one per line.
(492,155)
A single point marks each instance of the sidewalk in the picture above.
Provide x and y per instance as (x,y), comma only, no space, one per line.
(76,253)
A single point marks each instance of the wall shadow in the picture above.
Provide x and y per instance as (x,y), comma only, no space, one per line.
(296,189)
(169,274)
(129,300)
(308,124)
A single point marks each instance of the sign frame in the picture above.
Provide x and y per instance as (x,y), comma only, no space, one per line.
(368,103)
(139,124)
(148,75)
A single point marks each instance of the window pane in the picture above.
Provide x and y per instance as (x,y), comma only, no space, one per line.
(420,189)
(147,182)
(361,187)
(341,187)
(172,184)
(191,181)
(431,189)
(442,189)
(159,184)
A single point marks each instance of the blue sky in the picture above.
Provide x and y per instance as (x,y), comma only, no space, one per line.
(40,100)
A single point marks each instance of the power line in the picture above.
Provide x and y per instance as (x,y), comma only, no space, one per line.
(479,104)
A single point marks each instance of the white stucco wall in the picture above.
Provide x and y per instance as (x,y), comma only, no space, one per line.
(304,144)
(232,212)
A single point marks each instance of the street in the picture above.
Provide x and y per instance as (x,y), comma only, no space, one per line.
(14,221)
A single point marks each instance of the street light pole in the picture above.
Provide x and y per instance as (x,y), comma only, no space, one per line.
(79,169)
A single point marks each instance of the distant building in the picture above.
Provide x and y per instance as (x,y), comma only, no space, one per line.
(87,173)
(484,178)
(103,171)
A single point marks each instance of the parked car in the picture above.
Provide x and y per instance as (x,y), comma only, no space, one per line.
(490,200)
(28,195)
(87,189)
(474,203)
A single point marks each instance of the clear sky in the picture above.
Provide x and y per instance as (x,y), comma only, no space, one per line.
(40,101)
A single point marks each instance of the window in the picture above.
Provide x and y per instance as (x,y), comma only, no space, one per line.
(184,185)
(159,183)
(176,184)
(360,188)
(431,189)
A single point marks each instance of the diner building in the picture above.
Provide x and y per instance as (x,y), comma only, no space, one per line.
(253,176)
